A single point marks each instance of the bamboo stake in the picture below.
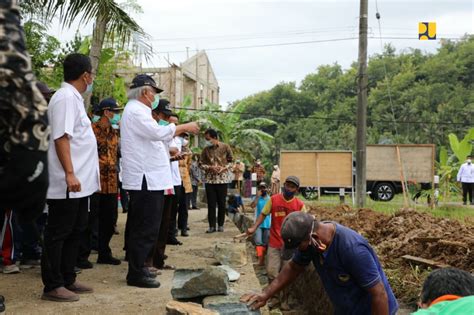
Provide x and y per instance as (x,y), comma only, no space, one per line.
(402,178)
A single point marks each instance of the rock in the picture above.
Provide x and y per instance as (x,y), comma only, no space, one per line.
(228,305)
(233,254)
(231,273)
(190,283)
(180,308)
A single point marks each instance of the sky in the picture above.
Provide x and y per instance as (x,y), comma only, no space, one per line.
(331,26)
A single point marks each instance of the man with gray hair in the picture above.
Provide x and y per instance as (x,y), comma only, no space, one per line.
(146,173)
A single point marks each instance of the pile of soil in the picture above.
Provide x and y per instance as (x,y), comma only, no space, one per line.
(408,232)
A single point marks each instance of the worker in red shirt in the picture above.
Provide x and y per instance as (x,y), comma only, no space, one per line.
(279,206)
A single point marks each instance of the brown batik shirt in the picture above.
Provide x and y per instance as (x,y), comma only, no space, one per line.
(107,146)
(217,155)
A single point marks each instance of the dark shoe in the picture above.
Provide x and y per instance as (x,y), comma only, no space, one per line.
(77,270)
(184,233)
(124,210)
(174,242)
(2,304)
(165,257)
(195,208)
(116,231)
(220,229)
(79,288)
(167,267)
(60,294)
(84,264)
(144,282)
(211,230)
(108,260)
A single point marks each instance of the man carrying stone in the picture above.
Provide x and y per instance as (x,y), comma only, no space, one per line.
(347,265)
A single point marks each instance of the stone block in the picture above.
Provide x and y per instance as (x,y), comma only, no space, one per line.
(228,305)
(180,308)
(190,283)
(233,254)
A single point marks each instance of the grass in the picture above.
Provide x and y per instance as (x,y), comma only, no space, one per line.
(443,210)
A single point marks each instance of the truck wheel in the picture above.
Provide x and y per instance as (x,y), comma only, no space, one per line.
(384,191)
(310,193)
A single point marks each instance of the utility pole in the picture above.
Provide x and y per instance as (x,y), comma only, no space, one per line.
(361,184)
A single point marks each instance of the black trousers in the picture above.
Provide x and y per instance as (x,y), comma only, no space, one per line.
(183,207)
(467,189)
(194,196)
(90,237)
(216,195)
(67,219)
(123,197)
(160,245)
(144,224)
(174,212)
(108,205)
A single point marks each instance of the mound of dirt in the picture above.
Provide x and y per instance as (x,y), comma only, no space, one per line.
(408,232)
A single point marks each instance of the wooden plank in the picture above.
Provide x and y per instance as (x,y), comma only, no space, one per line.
(402,178)
(424,261)
(417,161)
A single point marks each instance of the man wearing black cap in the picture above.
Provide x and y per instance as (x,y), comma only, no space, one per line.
(347,265)
(106,199)
(45,90)
(146,174)
(279,206)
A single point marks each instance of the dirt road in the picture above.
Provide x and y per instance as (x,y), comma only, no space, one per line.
(112,295)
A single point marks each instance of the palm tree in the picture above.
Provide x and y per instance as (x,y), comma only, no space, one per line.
(245,136)
(110,21)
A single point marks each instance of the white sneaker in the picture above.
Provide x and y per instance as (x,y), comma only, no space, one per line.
(11,269)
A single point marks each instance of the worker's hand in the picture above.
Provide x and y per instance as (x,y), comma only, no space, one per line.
(73,184)
(254,300)
(192,127)
(251,231)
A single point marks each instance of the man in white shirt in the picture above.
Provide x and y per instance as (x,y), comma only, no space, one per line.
(466,178)
(146,173)
(73,177)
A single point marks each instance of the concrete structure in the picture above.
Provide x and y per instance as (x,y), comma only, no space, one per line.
(193,78)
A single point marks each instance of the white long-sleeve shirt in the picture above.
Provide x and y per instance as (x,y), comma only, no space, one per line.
(466,173)
(144,150)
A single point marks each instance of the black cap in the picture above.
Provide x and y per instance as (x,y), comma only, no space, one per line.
(43,88)
(293,179)
(163,107)
(108,103)
(144,80)
(296,228)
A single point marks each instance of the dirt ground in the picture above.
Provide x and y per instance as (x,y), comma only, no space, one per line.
(112,295)
(408,232)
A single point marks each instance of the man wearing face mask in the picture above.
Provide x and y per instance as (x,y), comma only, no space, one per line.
(73,177)
(349,269)
(263,232)
(279,206)
(106,199)
(146,174)
(216,163)
(466,178)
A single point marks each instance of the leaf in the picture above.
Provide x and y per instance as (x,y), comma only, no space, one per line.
(443,156)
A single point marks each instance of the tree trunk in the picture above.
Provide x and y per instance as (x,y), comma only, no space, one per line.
(98,36)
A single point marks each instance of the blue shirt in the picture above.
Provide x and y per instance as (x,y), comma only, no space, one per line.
(347,269)
(266,224)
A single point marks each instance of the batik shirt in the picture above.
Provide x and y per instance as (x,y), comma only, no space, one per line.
(107,147)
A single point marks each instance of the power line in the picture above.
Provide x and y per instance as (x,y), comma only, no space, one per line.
(317,118)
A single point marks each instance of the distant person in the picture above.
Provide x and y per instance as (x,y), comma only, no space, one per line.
(247,182)
(447,291)
(275,180)
(278,207)
(234,205)
(73,177)
(259,170)
(466,178)
(347,265)
(196,177)
(262,234)
(216,162)
(238,171)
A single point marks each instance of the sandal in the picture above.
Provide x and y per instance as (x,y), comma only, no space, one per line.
(167,267)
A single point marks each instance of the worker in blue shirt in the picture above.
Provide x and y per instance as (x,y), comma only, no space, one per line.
(262,234)
(347,265)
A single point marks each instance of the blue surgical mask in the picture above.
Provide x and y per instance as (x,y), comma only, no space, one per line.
(155,102)
(95,118)
(162,122)
(288,194)
(209,143)
(114,120)
(89,87)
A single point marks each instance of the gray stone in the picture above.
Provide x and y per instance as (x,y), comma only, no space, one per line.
(190,283)
(228,305)
(231,273)
(233,254)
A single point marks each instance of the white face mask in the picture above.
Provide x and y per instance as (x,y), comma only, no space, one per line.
(468,161)
(184,142)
